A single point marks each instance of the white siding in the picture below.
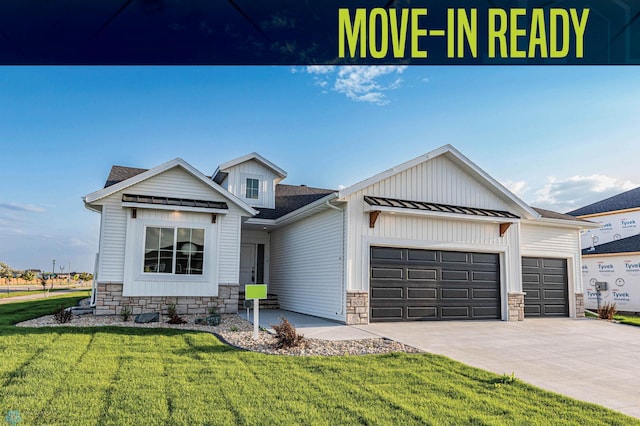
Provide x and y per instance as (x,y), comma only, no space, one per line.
(441,181)
(112,239)
(235,183)
(538,240)
(438,180)
(306,266)
(173,183)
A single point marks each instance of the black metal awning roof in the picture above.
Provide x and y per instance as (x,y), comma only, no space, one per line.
(439,208)
(178,202)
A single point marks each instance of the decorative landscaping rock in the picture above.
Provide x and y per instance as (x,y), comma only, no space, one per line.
(213,319)
(148,317)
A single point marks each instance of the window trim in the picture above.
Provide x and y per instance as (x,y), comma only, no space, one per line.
(174,257)
(247,194)
(261,188)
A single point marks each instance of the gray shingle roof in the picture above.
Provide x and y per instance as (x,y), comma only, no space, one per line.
(624,245)
(292,197)
(627,200)
(120,173)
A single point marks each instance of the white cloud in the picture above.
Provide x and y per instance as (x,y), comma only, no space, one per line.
(577,191)
(359,83)
(320,69)
(518,187)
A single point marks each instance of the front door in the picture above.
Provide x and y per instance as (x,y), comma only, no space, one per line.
(247,265)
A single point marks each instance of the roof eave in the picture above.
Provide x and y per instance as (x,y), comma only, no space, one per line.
(252,156)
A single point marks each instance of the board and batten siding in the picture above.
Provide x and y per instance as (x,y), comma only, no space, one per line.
(437,180)
(307,268)
(175,182)
(539,240)
(235,183)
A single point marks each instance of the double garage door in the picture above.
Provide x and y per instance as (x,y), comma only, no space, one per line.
(413,284)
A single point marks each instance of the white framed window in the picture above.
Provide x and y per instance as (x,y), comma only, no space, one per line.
(252,188)
(173,250)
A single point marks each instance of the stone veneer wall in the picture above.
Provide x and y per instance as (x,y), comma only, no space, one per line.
(109,300)
(357,307)
(579,305)
(516,306)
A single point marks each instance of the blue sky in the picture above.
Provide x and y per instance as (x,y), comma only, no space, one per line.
(559,137)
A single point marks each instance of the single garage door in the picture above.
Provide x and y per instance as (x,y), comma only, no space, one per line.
(545,283)
(411,284)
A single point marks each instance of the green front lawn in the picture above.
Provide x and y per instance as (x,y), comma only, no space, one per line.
(625,319)
(137,376)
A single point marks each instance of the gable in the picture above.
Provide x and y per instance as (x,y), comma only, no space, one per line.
(439,180)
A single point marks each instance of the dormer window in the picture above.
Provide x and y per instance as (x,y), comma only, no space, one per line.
(252,188)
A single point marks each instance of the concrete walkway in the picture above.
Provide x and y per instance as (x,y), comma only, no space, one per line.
(309,326)
(586,359)
(40,295)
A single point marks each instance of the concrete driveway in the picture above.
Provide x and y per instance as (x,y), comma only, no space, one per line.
(587,359)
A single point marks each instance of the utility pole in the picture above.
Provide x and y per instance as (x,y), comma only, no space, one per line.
(53,273)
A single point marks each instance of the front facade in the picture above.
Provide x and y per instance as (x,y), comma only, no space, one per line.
(611,253)
(435,238)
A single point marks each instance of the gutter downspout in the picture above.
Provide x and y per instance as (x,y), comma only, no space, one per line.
(342,260)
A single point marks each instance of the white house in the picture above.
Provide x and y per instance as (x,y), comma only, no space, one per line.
(435,238)
(611,253)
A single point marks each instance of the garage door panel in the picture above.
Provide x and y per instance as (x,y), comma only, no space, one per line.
(484,276)
(454,256)
(533,294)
(554,295)
(388,253)
(422,255)
(530,262)
(422,312)
(454,293)
(422,293)
(554,263)
(530,278)
(553,279)
(388,313)
(387,273)
(448,275)
(484,293)
(554,310)
(484,258)
(455,312)
(485,312)
(422,274)
(387,293)
(436,285)
(545,283)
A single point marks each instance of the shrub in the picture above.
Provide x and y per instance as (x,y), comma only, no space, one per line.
(286,334)
(212,310)
(125,313)
(62,315)
(607,311)
(174,318)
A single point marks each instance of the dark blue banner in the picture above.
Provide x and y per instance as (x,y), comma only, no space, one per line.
(249,32)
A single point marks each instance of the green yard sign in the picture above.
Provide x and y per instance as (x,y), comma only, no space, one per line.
(255,291)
